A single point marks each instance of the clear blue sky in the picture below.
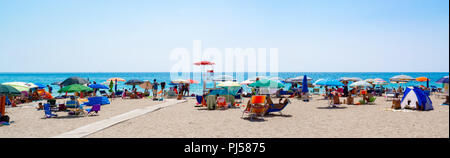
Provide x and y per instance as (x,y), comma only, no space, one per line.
(138,35)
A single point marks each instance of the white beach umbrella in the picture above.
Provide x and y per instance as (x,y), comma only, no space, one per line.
(401,79)
(361,84)
(247,82)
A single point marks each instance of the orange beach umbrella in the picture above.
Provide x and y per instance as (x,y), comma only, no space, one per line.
(422,79)
(116,78)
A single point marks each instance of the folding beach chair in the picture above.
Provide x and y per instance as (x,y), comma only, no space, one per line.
(255,107)
(95,108)
(48,111)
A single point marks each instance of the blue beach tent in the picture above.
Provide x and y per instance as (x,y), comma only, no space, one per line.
(413,96)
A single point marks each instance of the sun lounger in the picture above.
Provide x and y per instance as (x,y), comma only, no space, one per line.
(48,111)
(95,108)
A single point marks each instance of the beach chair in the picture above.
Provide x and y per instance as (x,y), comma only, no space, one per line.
(48,111)
(276,107)
(72,104)
(334,100)
(95,108)
(255,107)
(199,100)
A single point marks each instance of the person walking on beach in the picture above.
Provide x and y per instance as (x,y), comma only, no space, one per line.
(49,89)
(155,88)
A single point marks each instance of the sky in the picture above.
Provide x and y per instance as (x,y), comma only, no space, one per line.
(139,35)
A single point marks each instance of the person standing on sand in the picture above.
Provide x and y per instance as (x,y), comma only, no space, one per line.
(155,88)
(50,89)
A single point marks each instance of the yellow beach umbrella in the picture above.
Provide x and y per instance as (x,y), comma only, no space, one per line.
(228,84)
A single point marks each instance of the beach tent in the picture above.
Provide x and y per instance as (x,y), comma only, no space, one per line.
(413,95)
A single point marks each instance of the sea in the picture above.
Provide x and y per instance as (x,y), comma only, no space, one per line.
(100,77)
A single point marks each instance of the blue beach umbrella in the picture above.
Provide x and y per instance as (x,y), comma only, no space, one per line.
(443,80)
(40,86)
(305,84)
(98,86)
(328,82)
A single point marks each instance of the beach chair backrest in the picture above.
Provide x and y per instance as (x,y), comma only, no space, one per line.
(71,103)
(258,99)
(47,109)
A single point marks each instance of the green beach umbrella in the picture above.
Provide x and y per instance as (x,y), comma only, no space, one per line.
(266,83)
(5,90)
(75,88)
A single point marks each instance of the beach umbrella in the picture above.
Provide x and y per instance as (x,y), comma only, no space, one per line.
(353,79)
(56,83)
(370,80)
(180,81)
(266,83)
(305,84)
(328,82)
(20,86)
(361,84)
(204,63)
(423,79)
(74,80)
(75,88)
(7,89)
(134,82)
(146,85)
(228,84)
(98,86)
(443,80)
(116,79)
(401,79)
(192,81)
(297,79)
(247,82)
(379,81)
(39,86)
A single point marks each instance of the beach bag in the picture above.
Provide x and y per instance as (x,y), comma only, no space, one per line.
(4,118)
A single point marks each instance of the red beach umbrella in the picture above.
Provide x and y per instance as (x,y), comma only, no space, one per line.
(204,63)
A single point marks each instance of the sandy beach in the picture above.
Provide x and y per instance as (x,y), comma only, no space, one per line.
(29,122)
(300,120)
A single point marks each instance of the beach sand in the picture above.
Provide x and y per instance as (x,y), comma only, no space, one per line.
(29,122)
(301,120)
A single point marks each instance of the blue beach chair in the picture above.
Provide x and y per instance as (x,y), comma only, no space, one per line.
(272,107)
(48,111)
